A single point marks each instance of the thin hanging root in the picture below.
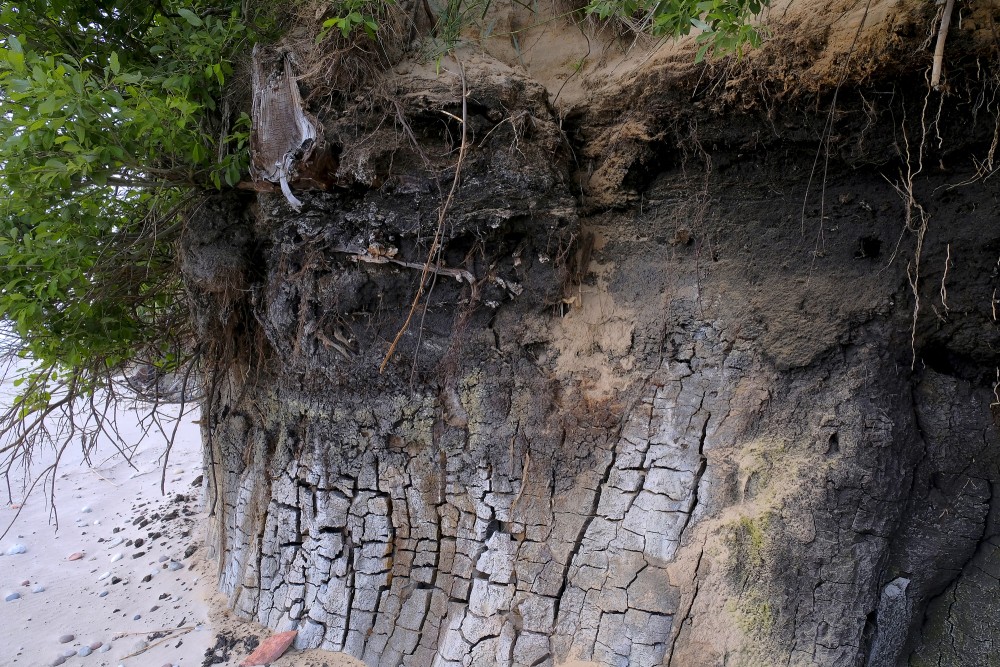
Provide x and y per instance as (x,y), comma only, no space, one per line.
(939,47)
(428,267)
(944,278)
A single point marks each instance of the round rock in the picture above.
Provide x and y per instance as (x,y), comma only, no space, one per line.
(65,639)
(38,589)
(84,651)
(15,549)
(10,597)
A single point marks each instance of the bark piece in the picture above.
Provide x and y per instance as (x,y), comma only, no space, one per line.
(270,649)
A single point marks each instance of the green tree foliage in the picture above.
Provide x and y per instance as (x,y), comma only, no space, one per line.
(724,25)
(109,120)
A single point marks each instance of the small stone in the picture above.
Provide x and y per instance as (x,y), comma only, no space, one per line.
(105,648)
(147,578)
(139,542)
(65,639)
(137,617)
(76,555)
(154,608)
(117,557)
(163,559)
(96,645)
(38,589)
(59,660)
(115,580)
(104,576)
(15,549)
(139,645)
(10,597)
(190,551)
(102,594)
(69,653)
(97,522)
(174,566)
(25,583)
(115,542)
(84,651)
(86,509)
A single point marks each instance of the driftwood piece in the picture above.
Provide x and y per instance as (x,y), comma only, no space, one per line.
(283,135)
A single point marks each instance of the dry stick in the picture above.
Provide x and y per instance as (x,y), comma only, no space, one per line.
(440,228)
(939,47)
(184,631)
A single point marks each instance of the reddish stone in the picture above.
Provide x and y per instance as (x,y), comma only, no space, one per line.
(76,555)
(270,649)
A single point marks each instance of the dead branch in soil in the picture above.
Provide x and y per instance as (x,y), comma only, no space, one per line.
(942,37)
(436,245)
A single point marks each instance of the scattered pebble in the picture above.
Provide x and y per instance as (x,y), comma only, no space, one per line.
(58,661)
(25,583)
(115,542)
(84,651)
(163,559)
(137,617)
(104,649)
(69,653)
(15,549)
(10,597)
(102,594)
(38,589)
(86,509)
(97,522)
(96,645)
(104,576)
(190,551)
(76,555)
(117,557)
(65,639)
(174,566)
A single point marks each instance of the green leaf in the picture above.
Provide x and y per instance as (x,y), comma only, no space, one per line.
(115,66)
(191,17)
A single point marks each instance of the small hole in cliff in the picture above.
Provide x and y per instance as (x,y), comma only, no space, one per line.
(869,247)
(833,446)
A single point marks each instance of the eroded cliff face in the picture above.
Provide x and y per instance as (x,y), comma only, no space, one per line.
(682,415)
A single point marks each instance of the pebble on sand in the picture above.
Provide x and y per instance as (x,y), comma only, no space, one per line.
(104,649)
(58,661)
(117,557)
(84,651)
(96,645)
(15,549)
(102,594)
(38,589)
(86,509)
(174,566)
(10,597)
(115,542)
(65,639)
(104,576)
(76,555)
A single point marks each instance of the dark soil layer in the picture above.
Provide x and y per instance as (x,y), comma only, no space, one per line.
(721,392)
